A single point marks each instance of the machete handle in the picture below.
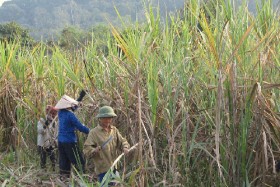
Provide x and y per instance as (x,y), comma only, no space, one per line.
(81,96)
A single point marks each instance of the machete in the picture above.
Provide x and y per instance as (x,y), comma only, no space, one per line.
(81,96)
(106,142)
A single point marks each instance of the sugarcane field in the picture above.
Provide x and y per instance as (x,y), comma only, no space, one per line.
(192,100)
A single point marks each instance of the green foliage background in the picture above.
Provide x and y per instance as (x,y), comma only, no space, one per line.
(48,18)
(199,94)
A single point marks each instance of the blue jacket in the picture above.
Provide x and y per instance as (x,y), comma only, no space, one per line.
(68,123)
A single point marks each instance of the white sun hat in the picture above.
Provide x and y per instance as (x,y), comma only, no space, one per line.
(65,102)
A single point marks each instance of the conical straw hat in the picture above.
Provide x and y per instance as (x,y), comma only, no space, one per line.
(65,102)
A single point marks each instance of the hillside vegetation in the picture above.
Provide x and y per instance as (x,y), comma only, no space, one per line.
(199,94)
(48,18)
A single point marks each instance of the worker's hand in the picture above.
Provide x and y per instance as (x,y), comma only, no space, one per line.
(125,150)
(97,150)
(46,124)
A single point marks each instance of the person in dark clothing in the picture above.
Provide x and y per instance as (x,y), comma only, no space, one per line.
(278,166)
(69,153)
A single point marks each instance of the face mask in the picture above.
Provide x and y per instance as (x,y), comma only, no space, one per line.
(49,117)
(75,107)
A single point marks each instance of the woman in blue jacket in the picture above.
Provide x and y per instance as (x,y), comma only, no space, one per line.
(68,149)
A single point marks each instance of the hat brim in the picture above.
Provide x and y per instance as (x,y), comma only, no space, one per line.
(106,115)
(65,102)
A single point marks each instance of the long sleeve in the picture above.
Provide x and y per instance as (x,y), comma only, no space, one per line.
(43,136)
(53,133)
(68,123)
(40,126)
(89,145)
(123,143)
(79,125)
(112,143)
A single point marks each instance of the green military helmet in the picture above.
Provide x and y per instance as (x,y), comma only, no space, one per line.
(106,112)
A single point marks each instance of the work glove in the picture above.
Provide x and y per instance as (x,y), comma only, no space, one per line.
(125,150)
(97,150)
(46,124)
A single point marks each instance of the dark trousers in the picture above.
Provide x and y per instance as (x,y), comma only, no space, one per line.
(102,175)
(278,166)
(69,153)
(44,152)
